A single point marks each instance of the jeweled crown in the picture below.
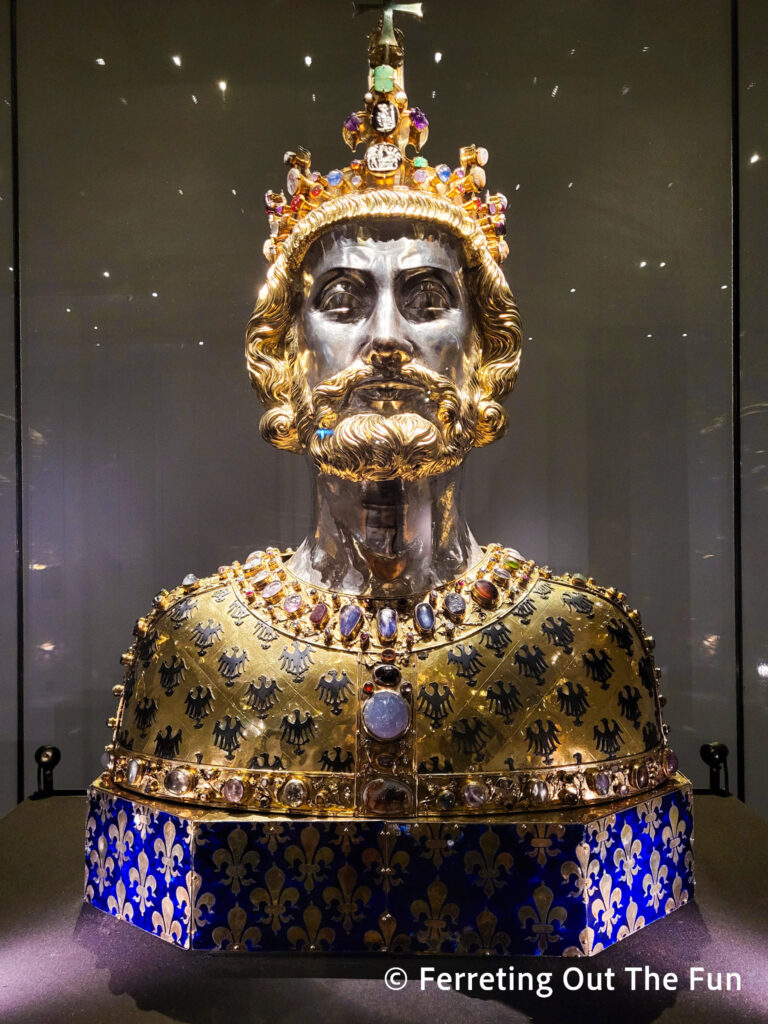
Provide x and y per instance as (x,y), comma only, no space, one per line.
(387,127)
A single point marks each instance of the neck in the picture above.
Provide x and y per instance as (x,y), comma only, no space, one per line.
(387,538)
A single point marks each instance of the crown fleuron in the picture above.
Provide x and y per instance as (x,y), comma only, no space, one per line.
(388,127)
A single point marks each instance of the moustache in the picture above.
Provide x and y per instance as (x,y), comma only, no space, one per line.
(332,394)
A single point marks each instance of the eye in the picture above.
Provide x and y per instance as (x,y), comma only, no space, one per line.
(427,298)
(341,299)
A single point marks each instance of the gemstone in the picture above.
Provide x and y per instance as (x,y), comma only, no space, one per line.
(537,790)
(602,783)
(485,593)
(492,208)
(293,181)
(385,761)
(132,772)
(272,591)
(420,161)
(294,793)
(383,157)
(368,687)
(385,117)
(477,176)
(356,180)
(455,606)
(352,123)
(642,777)
(500,226)
(481,155)
(513,564)
(260,579)
(233,791)
(443,171)
(459,172)
(447,800)
(319,614)
(178,782)
(387,796)
(387,675)
(292,604)
(386,623)
(502,576)
(502,201)
(315,176)
(475,794)
(365,638)
(672,762)
(316,190)
(350,620)
(386,715)
(418,119)
(335,178)
(189,580)
(295,203)
(383,78)
(388,654)
(424,617)
(420,177)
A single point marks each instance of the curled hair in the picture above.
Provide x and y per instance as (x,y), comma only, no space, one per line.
(271,329)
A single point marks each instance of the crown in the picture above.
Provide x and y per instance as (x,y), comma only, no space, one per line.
(386,180)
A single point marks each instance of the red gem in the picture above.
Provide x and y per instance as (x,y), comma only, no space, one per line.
(295,203)
(485,593)
(409,639)
(388,654)
(356,165)
(460,584)
(317,190)
(319,614)
(365,639)
(368,687)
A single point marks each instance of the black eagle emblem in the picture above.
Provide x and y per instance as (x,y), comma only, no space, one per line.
(543,589)
(599,666)
(469,662)
(471,738)
(264,634)
(496,638)
(558,632)
(146,647)
(198,705)
(572,700)
(297,731)
(263,696)
(432,766)
(182,611)
(543,739)
(433,703)
(503,700)
(620,634)
(221,595)
(647,675)
(237,612)
(205,635)
(144,714)
(524,609)
(337,763)
(332,688)
(579,603)
(650,735)
(629,704)
(231,666)
(609,738)
(227,735)
(262,761)
(172,674)
(532,663)
(296,661)
(167,743)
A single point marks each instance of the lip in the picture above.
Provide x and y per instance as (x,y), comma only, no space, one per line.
(382,390)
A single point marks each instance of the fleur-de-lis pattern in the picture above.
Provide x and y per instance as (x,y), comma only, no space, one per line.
(507,887)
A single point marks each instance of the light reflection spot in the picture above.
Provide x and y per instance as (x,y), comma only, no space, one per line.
(438,57)
(308,61)
(176,60)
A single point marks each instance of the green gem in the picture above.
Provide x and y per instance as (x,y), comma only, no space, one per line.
(512,563)
(383,78)
(419,161)
(579,577)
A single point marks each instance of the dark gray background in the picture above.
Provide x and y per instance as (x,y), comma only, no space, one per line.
(609,127)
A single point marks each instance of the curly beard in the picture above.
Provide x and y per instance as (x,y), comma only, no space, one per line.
(373,446)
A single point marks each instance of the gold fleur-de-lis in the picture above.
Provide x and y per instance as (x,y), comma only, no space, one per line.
(486,939)
(626,857)
(604,904)
(350,899)
(104,806)
(164,923)
(632,924)
(385,940)
(312,936)
(389,863)
(102,861)
(143,819)
(543,918)
(144,884)
(673,834)
(171,853)
(237,935)
(270,835)
(586,868)
(275,899)
(192,902)
(438,840)
(690,867)
(347,836)
(435,914)
(309,859)
(90,827)
(490,863)
(121,836)
(600,831)
(649,813)
(542,842)
(679,896)
(653,882)
(587,945)
(118,905)
(236,861)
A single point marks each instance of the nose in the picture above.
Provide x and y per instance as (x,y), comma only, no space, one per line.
(387,348)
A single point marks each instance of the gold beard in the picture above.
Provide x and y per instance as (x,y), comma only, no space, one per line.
(372,446)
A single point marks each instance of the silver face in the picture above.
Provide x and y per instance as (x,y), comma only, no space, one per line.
(385,303)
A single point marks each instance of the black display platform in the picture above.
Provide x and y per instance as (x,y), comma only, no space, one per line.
(63,961)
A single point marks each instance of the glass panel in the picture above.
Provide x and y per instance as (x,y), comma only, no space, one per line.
(143,224)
